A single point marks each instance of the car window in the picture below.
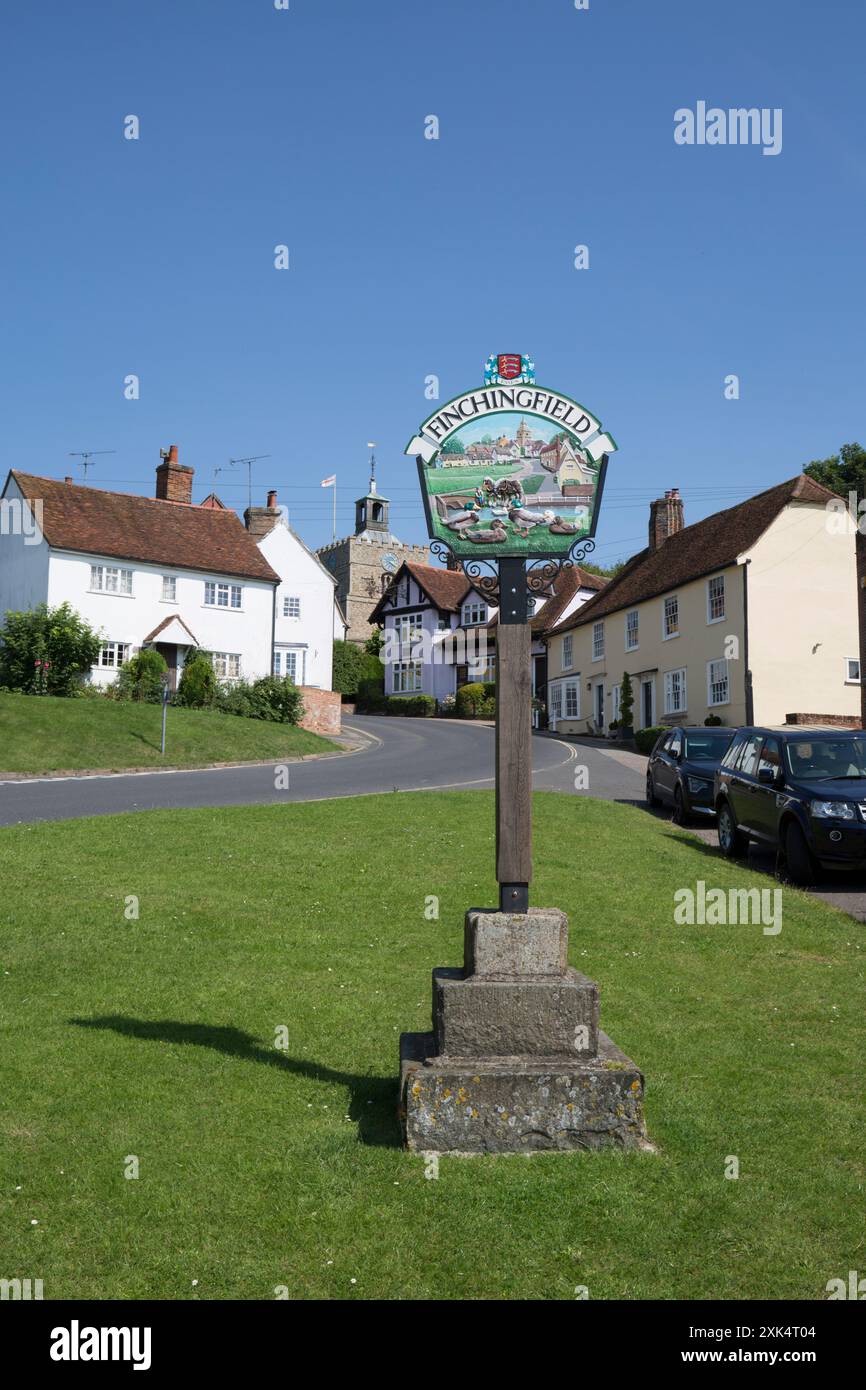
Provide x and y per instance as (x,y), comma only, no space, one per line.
(732,756)
(676,744)
(749,761)
(771,757)
(706,748)
(827,759)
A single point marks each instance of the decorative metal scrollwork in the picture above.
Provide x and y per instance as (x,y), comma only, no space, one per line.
(541,573)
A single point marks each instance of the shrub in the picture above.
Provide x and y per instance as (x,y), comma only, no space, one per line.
(645,739)
(46,651)
(713,719)
(447,706)
(353,664)
(370,695)
(273,698)
(421,706)
(469,697)
(486,708)
(626,702)
(140,678)
(198,683)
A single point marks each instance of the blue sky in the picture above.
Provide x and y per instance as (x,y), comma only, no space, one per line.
(411,257)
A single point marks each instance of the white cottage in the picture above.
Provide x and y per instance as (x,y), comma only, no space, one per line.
(142,571)
(307,617)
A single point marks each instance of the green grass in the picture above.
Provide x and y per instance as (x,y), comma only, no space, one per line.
(42,733)
(261,1168)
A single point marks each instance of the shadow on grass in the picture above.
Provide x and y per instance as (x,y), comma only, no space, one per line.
(373,1099)
(148,742)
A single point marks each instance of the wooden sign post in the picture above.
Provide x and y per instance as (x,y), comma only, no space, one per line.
(513,740)
(515,1061)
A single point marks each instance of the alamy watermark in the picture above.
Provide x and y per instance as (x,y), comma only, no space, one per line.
(738,907)
(18,519)
(711,125)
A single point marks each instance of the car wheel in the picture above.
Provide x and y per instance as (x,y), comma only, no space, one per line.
(651,798)
(679,816)
(799,862)
(732,842)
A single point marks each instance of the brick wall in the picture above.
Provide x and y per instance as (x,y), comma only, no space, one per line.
(321,710)
(835,721)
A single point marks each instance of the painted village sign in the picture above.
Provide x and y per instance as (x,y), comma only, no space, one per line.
(511,468)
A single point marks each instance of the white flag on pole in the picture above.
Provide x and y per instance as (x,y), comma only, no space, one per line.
(329,482)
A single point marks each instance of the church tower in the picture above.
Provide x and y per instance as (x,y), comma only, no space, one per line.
(364,564)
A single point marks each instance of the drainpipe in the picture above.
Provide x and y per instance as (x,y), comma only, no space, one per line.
(747,679)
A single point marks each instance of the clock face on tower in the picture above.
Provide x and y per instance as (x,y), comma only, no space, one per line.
(389,562)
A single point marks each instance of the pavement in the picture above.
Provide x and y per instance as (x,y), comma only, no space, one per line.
(382,754)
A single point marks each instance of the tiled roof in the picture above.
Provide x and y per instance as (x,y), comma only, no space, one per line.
(565,587)
(711,544)
(445,588)
(126,527)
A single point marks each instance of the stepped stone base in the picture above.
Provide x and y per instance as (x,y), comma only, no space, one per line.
(516,1062)
(516,1104)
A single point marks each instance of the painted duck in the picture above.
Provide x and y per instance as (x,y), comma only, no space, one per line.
(523,520)
(494,536)
(563,528)
(461,521)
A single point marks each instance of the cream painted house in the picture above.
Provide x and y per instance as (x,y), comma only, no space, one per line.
(750,615)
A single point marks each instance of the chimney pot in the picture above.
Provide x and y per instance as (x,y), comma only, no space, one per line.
(272,499)
(67,479)
(173,479)
(666,517)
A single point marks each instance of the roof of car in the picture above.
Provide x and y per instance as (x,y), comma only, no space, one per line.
(798,730)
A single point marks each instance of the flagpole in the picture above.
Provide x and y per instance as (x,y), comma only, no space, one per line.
(335,509)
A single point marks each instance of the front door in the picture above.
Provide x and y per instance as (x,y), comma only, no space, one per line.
(646,688)
(168,650)
(599,705)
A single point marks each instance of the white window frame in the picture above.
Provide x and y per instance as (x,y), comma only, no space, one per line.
(409,630)
(292,606)
(849,662)
(632,630)
(407,677)
(281,659)
(711,681)
(220,593)
(571,697)
(474,612)
(712,598)
(598,641)
(100,583)
(169,588)
(670,687)
(554,700)
(227,665)
(118,653)
(567,652)
(674,601)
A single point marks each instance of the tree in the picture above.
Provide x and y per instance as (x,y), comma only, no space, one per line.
(626,702)
(452,446)
(845,473)
(47,650)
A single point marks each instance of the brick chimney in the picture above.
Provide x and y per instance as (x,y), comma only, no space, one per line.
(666,517)
(260,520)
(173,479)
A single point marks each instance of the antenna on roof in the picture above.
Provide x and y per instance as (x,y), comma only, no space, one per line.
(254,458)
(86,455)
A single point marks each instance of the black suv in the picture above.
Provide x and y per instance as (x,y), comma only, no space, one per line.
(681,769)
(796,790)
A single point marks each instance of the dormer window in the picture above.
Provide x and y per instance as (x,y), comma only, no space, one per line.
(474,612)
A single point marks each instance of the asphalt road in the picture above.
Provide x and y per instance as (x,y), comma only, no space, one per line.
(389,755)
(392,754)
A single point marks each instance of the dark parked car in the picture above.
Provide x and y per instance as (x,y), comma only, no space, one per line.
(682,767)
(796,790)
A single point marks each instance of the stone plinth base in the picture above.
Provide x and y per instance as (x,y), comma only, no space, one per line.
(516,1062)
(516,1104)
